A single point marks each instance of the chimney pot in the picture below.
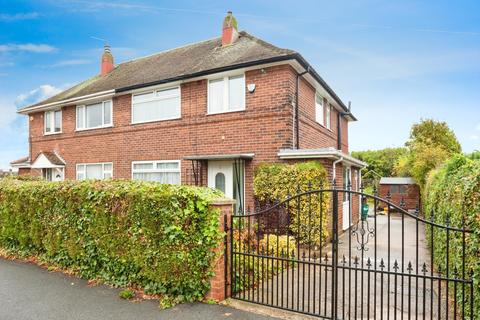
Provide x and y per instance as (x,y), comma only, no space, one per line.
(229,29)
(107,61)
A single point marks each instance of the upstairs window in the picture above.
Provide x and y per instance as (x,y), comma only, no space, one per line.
(319,111)
(226,94)
(167,171)
(94,171)
(156,105)
(94,116)
(328,117)
(53,122)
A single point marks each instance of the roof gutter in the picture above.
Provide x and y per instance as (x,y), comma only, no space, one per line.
(294,56)
(101,94)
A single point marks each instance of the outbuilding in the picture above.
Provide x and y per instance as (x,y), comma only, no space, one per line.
(400,188)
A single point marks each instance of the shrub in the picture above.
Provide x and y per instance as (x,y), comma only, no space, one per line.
(278,246)
(274,182)
(126,294)
(453,192)
(125,233)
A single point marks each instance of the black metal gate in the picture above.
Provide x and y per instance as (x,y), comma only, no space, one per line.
(295,256)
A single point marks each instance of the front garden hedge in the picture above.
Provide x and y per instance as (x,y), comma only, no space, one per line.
(275,182)
(453,194)
(160,238)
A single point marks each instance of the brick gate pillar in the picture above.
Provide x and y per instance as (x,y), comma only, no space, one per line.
(219,289)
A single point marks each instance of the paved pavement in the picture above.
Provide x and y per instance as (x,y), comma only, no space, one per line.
(30,292)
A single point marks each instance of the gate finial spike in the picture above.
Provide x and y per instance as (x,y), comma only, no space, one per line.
(395,266)
(389,196)
(375,190)
(382,264)
(424,268)
(455,273)
(409,268)
(402,202)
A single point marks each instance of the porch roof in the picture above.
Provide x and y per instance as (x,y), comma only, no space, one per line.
(244,156)
(322,153)
(48,160)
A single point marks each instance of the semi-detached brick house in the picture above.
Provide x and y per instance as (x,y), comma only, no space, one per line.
(206,113)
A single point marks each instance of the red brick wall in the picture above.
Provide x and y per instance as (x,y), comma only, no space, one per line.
(313,134)
(265,127)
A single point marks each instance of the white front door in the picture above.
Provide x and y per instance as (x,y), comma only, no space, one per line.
(346,213)
(53,174)
(220,176)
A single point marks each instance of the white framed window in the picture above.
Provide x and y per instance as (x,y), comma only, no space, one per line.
(328,117)
(226,94)
(319,110)
(157,105)
(53,122)
(93,116)
(94,171)
(163,171)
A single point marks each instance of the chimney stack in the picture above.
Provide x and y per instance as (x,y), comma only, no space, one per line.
(229,30)
(107,61)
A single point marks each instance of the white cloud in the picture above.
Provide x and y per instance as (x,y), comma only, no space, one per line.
(72,62)
(477,127)
(38,94)
(18,16)
(474,137)
(28,47)
(13,127)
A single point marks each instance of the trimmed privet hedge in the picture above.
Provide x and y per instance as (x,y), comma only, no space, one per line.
(125,233)
(274,182)
(453,192)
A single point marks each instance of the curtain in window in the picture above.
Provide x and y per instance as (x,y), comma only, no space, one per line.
(319,115)
(94,171)
(162,177)
(215,96)
(236,92)
(107,112)
(58,121)
(94,115)
(164,104)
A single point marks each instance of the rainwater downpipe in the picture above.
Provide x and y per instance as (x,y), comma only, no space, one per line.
(296,113)
(335,170)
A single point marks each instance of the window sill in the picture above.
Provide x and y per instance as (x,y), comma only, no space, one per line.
(96,128)
(323,126)
(156,120)
(222,112)
(51,133)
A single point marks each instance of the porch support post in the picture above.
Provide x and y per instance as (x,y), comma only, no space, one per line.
(220,288)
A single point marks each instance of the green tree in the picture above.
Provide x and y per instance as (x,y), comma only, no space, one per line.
(430,144)
(381,163)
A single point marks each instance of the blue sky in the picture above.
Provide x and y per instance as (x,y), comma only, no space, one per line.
(397,61)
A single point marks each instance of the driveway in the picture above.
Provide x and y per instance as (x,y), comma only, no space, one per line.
(361,295)
(29,292)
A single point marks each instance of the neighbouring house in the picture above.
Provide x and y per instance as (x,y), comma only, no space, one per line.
(204,114)
(400,190)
